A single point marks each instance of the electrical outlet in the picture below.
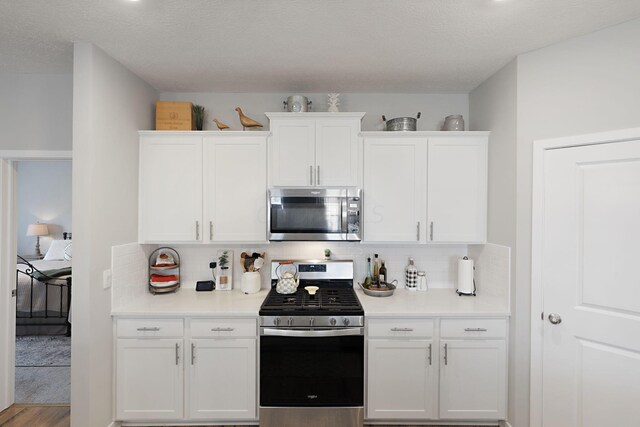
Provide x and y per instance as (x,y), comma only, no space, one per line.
(106,279)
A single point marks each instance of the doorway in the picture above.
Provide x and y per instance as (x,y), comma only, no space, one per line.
(8,265)
(585,295)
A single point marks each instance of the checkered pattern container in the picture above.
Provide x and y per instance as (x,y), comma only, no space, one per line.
(411,276)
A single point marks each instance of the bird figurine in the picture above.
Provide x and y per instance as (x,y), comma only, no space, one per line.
(220,124)
(246,121)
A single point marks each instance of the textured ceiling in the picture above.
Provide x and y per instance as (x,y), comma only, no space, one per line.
(298,45)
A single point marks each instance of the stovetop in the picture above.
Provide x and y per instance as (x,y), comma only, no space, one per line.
(331,298)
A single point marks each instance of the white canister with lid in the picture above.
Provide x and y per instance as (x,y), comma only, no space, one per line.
(422,281)
(250,282)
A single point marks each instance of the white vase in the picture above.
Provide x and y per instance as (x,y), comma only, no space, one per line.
(250,282)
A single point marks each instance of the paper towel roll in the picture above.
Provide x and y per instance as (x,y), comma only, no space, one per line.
(465,277)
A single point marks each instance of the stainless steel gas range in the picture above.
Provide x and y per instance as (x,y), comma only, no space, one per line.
(312,349)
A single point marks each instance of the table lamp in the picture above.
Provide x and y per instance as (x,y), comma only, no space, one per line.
(37,230)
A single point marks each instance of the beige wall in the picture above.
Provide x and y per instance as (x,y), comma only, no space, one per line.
(493,106)
(35,111)
(110,104)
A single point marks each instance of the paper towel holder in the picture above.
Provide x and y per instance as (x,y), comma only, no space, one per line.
(468,291)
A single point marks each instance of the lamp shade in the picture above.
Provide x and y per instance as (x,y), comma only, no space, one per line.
(37,230)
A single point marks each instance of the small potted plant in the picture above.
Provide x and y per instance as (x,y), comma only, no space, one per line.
(198,116)
(225,273)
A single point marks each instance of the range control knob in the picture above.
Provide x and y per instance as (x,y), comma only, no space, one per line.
(276,321)
(290,321)
(311,320)
(333,321)
(346,321)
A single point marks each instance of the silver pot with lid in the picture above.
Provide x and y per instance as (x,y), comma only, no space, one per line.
(297,104)
(402,124)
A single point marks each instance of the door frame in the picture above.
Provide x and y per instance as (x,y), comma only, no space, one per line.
(8,251)
(540,147)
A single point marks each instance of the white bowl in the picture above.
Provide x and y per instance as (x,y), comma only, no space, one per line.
(311,289)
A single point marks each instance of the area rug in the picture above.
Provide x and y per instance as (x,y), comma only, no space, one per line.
(32,351)
(43,372)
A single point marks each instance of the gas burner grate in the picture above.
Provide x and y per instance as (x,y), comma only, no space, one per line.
(325,299)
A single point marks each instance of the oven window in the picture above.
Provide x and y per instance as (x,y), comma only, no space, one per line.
(307,215)
(326,371)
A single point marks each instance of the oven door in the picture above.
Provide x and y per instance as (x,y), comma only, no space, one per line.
(311,368)
(308,214)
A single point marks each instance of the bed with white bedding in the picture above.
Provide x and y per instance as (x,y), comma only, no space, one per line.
(43,292)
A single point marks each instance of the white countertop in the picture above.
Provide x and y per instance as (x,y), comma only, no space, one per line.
(188,302)
(434,302)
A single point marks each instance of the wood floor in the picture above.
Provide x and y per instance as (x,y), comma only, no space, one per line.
(58,416)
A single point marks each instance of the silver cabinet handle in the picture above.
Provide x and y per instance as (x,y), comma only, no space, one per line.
(418,231)
(318,175)
(145,329)
(431,231)
(445,355)
(177,353)
(223,329)
(210,230)
(310,174)
(475,329)
(401,329)
(555,318)
(193,352)
(197,230)
(429,354)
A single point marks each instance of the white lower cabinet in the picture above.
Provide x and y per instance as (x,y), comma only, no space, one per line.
(222,379)
(419,371)
(207,372)
(472,379)
(149,379)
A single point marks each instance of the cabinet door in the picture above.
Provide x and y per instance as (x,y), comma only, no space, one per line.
(292,152)
(394,189)
(149,379)
(170,188)
(402,380)
(472,379)
(457,189)
(235,189)
(222,379)
(337,152)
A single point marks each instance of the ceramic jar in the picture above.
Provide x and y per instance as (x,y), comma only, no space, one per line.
(453,123)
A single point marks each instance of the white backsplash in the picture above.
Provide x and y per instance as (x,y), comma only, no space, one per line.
(440,262)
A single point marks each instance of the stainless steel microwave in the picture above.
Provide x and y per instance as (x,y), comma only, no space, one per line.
(315,214)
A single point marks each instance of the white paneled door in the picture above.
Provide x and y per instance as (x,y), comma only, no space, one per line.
(591,286)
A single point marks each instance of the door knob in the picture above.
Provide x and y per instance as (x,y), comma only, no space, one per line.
(555,318)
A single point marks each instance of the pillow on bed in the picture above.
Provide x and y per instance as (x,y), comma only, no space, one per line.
(56,250)
(68,252)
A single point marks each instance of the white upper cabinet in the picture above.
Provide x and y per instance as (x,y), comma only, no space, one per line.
(425,187)
(170,194)
(394,189)
(314,149)
(235,188)
(202,187)
(457,189)
(337,154)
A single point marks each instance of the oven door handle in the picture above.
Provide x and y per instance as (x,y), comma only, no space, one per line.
(317,333)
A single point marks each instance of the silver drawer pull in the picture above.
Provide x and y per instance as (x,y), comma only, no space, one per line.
(429,354)
(177,354)
(193,353)
(475,329)
(401,329)
(446,355)
(155,329)
(223,329)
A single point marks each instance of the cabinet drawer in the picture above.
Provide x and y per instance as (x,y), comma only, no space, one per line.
(473,328)
(141,328)
(223,328)
(400,328)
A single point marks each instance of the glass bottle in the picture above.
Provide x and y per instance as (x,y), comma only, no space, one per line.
(376,269)
(411,276)
(383,274)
